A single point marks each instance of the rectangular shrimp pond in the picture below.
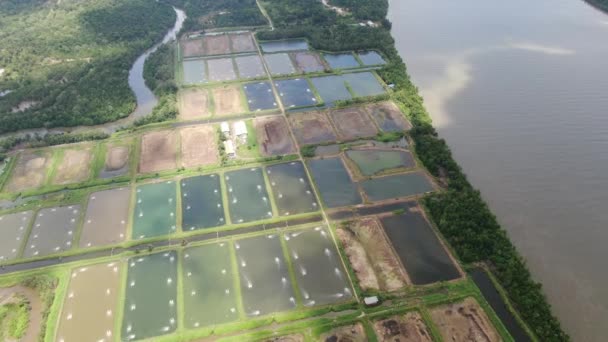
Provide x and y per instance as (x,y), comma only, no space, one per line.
(420,250)
(402,185)
(195,71)
(279,64)
(150,304)
(250,66)
(284,45)
(89,309)
(295,93)
(334,183)
(265,283)
(53,231)
(247,195)
(106,218)
(202,205)
(13,228)
(260,96)
(373,161)
(154,213)
(210,296)
(291,188)
(317,266)
(331,88)
(364,84)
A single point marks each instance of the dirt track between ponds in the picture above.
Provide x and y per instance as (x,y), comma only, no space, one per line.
(407,328)
(35,320)
(465,321)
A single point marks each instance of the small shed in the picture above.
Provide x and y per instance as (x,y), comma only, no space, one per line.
(371,301)
(240,129)
(225,128)
(229,148)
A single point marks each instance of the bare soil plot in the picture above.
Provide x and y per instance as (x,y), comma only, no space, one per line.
(273,136)
(193,104)
(388,117)
(227,100)
(352,123)
(158,151)
(351,333)
(74,167)
(464,321)
(308,62)
(311,128)
(117,161)
(371,256)
(192,47)
(242,42)
(407,328)
(30,170)
(106,218)
(199,146)
(90,305)
(218,44)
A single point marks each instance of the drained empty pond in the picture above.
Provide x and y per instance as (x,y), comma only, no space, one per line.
(12,233)
(420,251)
(209,294)
(202,205)
(260,96)
(151,296)
(89,309)
(154,213)
(318,268)
(334,183)
(106,218)
(371,161)
(53,231)
(247,195)
(402,185)
(264,276)
(291,188)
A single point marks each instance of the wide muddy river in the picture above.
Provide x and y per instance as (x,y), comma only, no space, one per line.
(519,89)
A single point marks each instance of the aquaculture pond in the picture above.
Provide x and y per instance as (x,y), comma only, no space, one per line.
(295,93)
(209,293)
(13,228)
(279,64)
(194,71)
(318,268)
(402,185)
(341,60)
(364,84)
(371,58)
(106,218)
(331,88)
(491,294)
(388,117)
(260,96)
(221,69)
(284,45)
(150,304)
(334,183)
(202,205)
(250,66)
(308,61)
(422,254)
(291,189)
(371,161)
(264,276)
(89,309)
(154,213)
(53,231)
(247,195)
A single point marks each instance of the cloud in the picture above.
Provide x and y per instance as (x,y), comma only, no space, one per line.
(533,47)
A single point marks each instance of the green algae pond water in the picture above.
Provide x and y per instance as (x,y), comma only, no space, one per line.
(422,254)
(334,183)
(202,205)
(264,276)
(291,188)
(151,296)
(371,161)
(247,195)
(154,213)
(13,228)
(402,185)
(209,294)
(318,268)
